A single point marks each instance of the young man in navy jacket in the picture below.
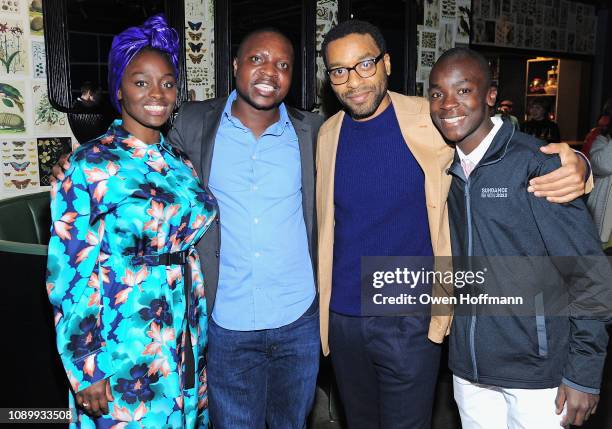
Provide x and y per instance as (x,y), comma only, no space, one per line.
(519,370)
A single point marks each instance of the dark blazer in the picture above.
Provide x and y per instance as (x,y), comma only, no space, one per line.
(194,132)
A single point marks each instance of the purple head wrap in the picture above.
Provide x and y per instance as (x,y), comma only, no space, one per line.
(154,34)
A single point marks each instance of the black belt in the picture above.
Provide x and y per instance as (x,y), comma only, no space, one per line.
(174,258)
(177,258)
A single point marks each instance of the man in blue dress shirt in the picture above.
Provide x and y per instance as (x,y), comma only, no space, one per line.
(256,156)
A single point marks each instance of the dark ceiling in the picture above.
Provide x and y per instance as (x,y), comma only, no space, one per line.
(110,16)
(113,16)
(249,14)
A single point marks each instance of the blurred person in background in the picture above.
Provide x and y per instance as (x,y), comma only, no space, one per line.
(602,123)
(504,111)
(600,200)
(539,125)
(90,95)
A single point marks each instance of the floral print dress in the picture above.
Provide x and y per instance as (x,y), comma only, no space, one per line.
(120,312)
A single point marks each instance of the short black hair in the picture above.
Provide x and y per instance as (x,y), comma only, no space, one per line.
(478,58)
(353,26)
(263,30)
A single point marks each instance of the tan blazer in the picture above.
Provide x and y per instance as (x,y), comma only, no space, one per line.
(433,155)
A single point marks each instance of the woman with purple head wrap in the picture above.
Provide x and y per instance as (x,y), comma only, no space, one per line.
(154,35)
(124,277)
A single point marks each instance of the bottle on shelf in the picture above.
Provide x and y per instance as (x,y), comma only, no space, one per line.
(551,81)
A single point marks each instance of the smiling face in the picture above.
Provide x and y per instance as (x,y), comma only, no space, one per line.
(363,98)
(263,69)
(459,101)
(147,95)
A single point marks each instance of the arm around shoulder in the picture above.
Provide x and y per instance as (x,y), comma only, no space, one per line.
(175,136)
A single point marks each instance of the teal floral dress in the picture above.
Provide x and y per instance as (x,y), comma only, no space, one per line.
(124,307)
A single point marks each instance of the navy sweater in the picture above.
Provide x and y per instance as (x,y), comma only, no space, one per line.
(379,198)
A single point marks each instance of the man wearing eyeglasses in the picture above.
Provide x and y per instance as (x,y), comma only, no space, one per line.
(381,191)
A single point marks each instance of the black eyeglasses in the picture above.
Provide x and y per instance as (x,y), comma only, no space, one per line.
(364,69)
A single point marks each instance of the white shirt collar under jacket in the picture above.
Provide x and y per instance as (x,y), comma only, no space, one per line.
(476,155)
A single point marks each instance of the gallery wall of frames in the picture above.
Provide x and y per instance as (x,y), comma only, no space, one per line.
(199,43)
(445,24)
(32,133)
(561,26)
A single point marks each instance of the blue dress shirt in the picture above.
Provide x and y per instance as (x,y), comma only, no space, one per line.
(265,273)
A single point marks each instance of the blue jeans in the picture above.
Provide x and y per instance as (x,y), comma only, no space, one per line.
(263,377)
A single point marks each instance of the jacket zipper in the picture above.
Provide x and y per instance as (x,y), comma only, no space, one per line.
(470,252)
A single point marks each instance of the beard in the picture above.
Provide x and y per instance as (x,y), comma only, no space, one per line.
(365,111)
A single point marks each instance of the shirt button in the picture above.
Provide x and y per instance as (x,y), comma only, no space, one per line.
(257,254)
(254,157)
(256,221)
(255,187)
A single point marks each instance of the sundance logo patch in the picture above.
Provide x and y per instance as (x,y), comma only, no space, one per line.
(494,193)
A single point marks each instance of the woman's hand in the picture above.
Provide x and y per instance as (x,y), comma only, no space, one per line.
(57,172)
(94,399)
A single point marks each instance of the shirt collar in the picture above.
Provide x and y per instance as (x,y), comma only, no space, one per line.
(275,129)
(477,154)
(120,133)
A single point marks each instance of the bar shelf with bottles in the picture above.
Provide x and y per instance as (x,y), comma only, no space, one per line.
(556,80)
